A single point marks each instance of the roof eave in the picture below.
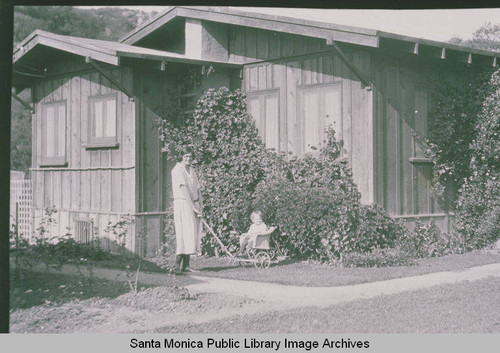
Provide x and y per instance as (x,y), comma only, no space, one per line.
(149,26)
(178,59)
(38,38)
(326,31)
(437,44)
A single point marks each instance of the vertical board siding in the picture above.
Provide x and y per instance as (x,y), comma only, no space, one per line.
(77,190)
(342,72)
(262,44)
(407,128)
(274,46)
(357,135)
(292,80)
(361,135)
(402,91)
(349,107)
(248,45)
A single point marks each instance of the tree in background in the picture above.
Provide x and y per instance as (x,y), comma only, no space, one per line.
(20,147)
(486,37)
(107,23)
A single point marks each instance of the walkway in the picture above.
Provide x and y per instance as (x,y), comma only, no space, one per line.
(293,296)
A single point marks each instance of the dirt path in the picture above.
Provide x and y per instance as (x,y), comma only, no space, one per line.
(292,296)
(270,296)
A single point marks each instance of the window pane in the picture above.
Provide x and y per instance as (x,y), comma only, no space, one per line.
(333,110)
(254,110)
(61,131)
(311,120)
(50,128)
(110,118)
(272,122)
(98,119)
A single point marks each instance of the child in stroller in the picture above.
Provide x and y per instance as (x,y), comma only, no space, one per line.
(258,227)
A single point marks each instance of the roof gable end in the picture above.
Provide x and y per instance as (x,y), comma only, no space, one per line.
(225,15)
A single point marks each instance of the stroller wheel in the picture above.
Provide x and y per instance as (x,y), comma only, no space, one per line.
(262,260)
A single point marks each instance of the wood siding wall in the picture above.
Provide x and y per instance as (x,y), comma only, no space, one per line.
(250,44)
(403,88)
(288,78)
(155,91)
(96,183)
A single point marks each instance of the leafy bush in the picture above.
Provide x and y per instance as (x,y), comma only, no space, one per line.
(313,218)
(452,121)
(378,258)
(377,229)
(426,240)
(312,198)
(229,157)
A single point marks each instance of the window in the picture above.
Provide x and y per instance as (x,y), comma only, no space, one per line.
(189,89)
(319,107)
(102,127)
(83,230)
(54,134)
(264,107)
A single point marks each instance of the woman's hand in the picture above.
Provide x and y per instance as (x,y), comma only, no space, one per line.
(198,212)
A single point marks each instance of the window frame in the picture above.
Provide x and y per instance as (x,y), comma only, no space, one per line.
(261,125)
(53,161)
(301,132)
(106,141)
(419,146)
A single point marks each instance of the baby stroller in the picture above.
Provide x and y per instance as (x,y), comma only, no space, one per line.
(264,251)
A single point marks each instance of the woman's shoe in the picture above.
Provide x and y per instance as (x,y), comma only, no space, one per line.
(189,269)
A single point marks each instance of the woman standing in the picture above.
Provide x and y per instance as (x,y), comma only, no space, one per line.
(188,206)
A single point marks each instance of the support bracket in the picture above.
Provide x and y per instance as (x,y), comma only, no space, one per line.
(24,103)
(364,81)
(129,94)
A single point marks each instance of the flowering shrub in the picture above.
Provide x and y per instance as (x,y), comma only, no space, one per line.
(319,222)
(377,229)
(478,206)
(312,198)
(229,157)
(452,129)
(418,241)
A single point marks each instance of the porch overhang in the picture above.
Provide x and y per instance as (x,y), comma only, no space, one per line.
(31,56)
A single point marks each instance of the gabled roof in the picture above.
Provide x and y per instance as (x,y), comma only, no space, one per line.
(329,32)
(256,20)
(99,50)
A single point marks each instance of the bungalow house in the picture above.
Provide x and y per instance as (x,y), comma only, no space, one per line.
(96,152)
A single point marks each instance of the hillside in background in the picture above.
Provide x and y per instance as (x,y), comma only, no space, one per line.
(106,23)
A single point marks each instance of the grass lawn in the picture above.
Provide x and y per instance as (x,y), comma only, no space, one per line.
(318,275)
(33,289)
(57,303)
(309,274)
(458,308)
